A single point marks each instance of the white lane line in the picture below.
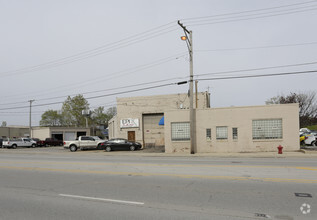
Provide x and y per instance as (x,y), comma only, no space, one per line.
(102,199)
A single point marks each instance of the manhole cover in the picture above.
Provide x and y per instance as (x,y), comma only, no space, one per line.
(306,195)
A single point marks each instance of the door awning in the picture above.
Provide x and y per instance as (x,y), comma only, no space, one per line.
(161,122)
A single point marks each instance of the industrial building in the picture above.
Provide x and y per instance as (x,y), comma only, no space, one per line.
(60,133)
(162,122)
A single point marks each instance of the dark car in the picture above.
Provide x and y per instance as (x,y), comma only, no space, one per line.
(52,142)
(121,144)
(38,141)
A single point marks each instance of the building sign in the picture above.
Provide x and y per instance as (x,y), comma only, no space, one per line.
(129,123)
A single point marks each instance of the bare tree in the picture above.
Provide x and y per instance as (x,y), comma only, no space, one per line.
(307,105)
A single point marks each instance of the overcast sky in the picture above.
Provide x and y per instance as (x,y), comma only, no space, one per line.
(54,48)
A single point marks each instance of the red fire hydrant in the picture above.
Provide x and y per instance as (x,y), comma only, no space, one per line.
(280,149)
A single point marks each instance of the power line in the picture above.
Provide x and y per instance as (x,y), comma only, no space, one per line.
(259,47)
(251,18)
(114,75)
(256,69)
(261,75)
(95,97)
(243,12)
(169,84)
(104,90)
(246,15)
(169,79)
(152,33)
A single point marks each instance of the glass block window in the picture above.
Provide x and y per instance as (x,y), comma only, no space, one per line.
(221,132)
(180,131)
(208,134)
(234,133)
(267,129)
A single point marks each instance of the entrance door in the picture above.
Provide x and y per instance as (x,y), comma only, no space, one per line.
(131,136)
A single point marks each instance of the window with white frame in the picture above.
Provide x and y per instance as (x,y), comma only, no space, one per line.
(180,131)
(234,133)
(208,134)
(222,132)
(267,129)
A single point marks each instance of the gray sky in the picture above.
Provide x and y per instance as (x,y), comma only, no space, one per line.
(54,48)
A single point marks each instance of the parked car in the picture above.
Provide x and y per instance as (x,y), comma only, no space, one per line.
(18,142)
(50,142)
(84,142)
(121,144)
(38,141)
(310,139)
(304,130)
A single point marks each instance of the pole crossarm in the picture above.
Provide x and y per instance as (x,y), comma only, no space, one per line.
(184,28)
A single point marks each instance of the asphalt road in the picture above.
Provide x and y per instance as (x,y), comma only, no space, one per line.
(38,184)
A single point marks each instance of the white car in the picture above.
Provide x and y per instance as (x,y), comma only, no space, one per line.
(304,130)
(84,142)
(18,142)
(311,139)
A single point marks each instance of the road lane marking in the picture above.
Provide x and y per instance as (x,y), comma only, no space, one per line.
(160,165)
(307,168)
(187,176)
(102,199)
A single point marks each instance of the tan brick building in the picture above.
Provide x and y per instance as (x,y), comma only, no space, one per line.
(233,129)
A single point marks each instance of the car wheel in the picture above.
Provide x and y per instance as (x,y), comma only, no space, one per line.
(14,146)
(108,148)
(33,145)
(73,148)
(314,143)
(132,148)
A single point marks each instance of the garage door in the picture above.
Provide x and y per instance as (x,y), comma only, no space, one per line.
(70,136)
(153,133)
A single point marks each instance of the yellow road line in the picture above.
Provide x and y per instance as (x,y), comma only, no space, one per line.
(307,168)
(157,165)
(280,180)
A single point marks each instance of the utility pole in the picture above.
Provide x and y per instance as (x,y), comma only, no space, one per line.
(30,119)
(192,115)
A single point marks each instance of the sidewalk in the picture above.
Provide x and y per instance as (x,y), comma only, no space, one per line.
(301,153)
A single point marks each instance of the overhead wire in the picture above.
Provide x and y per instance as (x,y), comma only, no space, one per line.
(257,76)
(169,84)
(250,18)
(258,47)
(152,33)
(223,18)
(248,11)
(256,69)
(112,75)
(93,97)
(169,79)
(101,49)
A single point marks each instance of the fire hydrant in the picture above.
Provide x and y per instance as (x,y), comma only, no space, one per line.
(280,149)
